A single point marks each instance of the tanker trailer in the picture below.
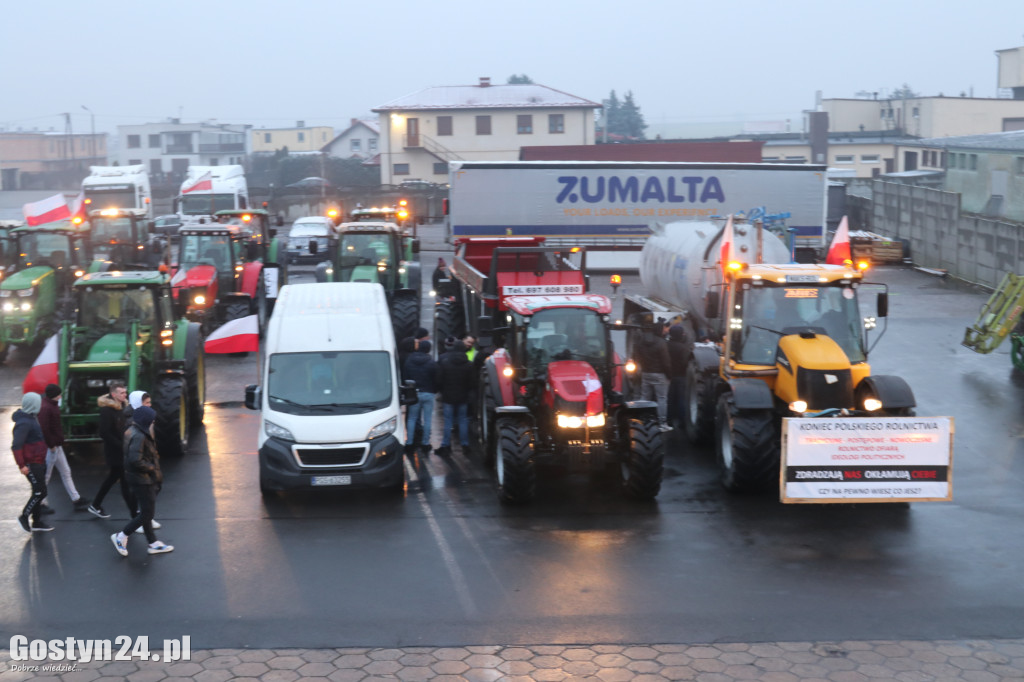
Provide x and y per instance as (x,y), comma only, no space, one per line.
(768,339)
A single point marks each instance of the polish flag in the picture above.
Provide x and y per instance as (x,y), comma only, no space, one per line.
(727,245)
(839,252)
(241,335)
(43,370)
(204,183)
(78,208)
(46,210)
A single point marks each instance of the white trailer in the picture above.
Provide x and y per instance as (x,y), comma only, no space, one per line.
(611,205)
(118,187)
(208,189)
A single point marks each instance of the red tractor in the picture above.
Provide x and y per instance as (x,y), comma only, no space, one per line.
(551,393)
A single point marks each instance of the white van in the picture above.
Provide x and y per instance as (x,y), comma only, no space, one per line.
(330,399)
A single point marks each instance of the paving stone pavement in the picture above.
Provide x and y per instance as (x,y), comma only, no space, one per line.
(903,661)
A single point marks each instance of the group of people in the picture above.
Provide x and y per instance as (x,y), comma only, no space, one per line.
(453,377)
(126,426)
(662,354)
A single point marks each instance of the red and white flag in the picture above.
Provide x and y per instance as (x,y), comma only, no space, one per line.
(204,183)
(46,210)
(241,335)
(839,252)
(43,370)
(78,207)
(727,245)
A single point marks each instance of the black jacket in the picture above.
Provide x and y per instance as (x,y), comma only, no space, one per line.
(458,377)
(422,369)
(49,422)
(652,354)
(141,459)
(113,422)
(678,352)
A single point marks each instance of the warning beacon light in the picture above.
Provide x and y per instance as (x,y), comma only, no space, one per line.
(615,281)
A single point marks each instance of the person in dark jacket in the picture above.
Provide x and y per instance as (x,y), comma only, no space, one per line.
(679,357)
(408,346)
(422,369)
(113,422)
(30,454)
(458,379)
(655,366)
(142,471)
(53,434)
(443,281)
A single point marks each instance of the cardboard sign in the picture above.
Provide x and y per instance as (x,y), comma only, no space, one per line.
(886,459)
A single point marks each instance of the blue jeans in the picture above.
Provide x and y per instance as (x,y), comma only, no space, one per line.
(425,406)
(452,412)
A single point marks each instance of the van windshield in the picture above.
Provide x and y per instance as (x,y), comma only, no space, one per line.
(325,383)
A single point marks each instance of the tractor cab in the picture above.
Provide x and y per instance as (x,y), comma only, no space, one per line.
(258,224)
(368,252)
(120,239)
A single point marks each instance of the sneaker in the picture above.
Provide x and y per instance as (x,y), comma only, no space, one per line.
(425,449)
(119,544)
(46,509)
(160,548)
(444,451)
(23,520)
(665,427)
(98,511)
(40,526)
(81,504)
(156,524)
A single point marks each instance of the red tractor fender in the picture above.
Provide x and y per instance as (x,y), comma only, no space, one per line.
(496,364)
(251,273)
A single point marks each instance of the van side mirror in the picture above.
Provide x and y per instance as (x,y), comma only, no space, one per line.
(711,305)
(415,245)
(314,247)
(253,396)
(883,304)
(407,394)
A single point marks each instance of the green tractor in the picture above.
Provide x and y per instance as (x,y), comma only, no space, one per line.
(122,239)
(126,330)
(379,252)
(35,292)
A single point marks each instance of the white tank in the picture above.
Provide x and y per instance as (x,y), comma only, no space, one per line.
(680,261)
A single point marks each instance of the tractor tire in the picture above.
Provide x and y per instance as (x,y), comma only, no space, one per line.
(448,321)
(515,470)
(405,316)
(643,464)
(698,406)
(486,431)
(170,400)
(195,375)
(747,445)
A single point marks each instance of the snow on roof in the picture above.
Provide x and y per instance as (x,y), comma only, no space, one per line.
(486,97)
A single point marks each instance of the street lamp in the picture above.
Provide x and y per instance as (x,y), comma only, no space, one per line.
(92,127)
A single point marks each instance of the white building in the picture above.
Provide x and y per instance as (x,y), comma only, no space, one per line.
(171,147)
(420,133)
(359,141)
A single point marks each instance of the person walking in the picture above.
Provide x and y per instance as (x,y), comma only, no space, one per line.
(456,382)
(143,474)
(422,369)
(30,454)
(113,408)
(655,366)
(679,358)
(53,435)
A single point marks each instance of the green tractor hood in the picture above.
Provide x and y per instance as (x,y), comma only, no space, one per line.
(109,348)
(23,279)
(365,273)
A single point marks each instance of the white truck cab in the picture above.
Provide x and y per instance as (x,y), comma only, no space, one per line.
(330,396)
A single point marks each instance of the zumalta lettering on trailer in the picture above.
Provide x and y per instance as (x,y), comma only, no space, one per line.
(613,189)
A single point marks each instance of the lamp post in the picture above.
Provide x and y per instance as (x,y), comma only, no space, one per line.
(92,138)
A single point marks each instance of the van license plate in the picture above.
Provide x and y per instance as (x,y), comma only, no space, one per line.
(332,480)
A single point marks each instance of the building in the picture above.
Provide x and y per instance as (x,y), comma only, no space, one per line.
(925,116)
(359,141)
(50,160)
(866,154)
(169,148)
(987,170)
(301,138)
(422,132)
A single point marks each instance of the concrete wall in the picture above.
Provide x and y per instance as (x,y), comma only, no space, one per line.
(969,247)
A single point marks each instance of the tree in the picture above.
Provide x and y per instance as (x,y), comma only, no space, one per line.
(516,79)
(903,92)
(611,115)
(632,121)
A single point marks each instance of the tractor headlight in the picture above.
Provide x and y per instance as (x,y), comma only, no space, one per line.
(566,421)
(199,299)
(8,307)
(595,421)
(275,431)
(872,404)
(26,306)
(79,273)
(630,366)
(383,429)
(798,406)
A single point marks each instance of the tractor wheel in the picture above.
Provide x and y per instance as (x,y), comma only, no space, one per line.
(170,400)
(643,464)
(195,374)
(447,322)
(698,407)
(747,444)
(488,435)
(514,466)
(405,317)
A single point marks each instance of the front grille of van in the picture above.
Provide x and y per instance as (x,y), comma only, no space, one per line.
(331,457)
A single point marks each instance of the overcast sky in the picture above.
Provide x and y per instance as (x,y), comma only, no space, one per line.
(326,61)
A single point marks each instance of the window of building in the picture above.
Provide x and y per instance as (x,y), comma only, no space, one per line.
(215,161)
(266,137)
(524,124)
(797,159)
(869,158)
(1020,165)
(401,169)
(154,141)
(483,125)
(154,166)
(302,137)
(371,144)
(915,112)
(356,144)
(769,158)
(973,162)
(444,125)
(134,141)
(441,168)
(844,158)
(134,162)
(942,160)
(556,123)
